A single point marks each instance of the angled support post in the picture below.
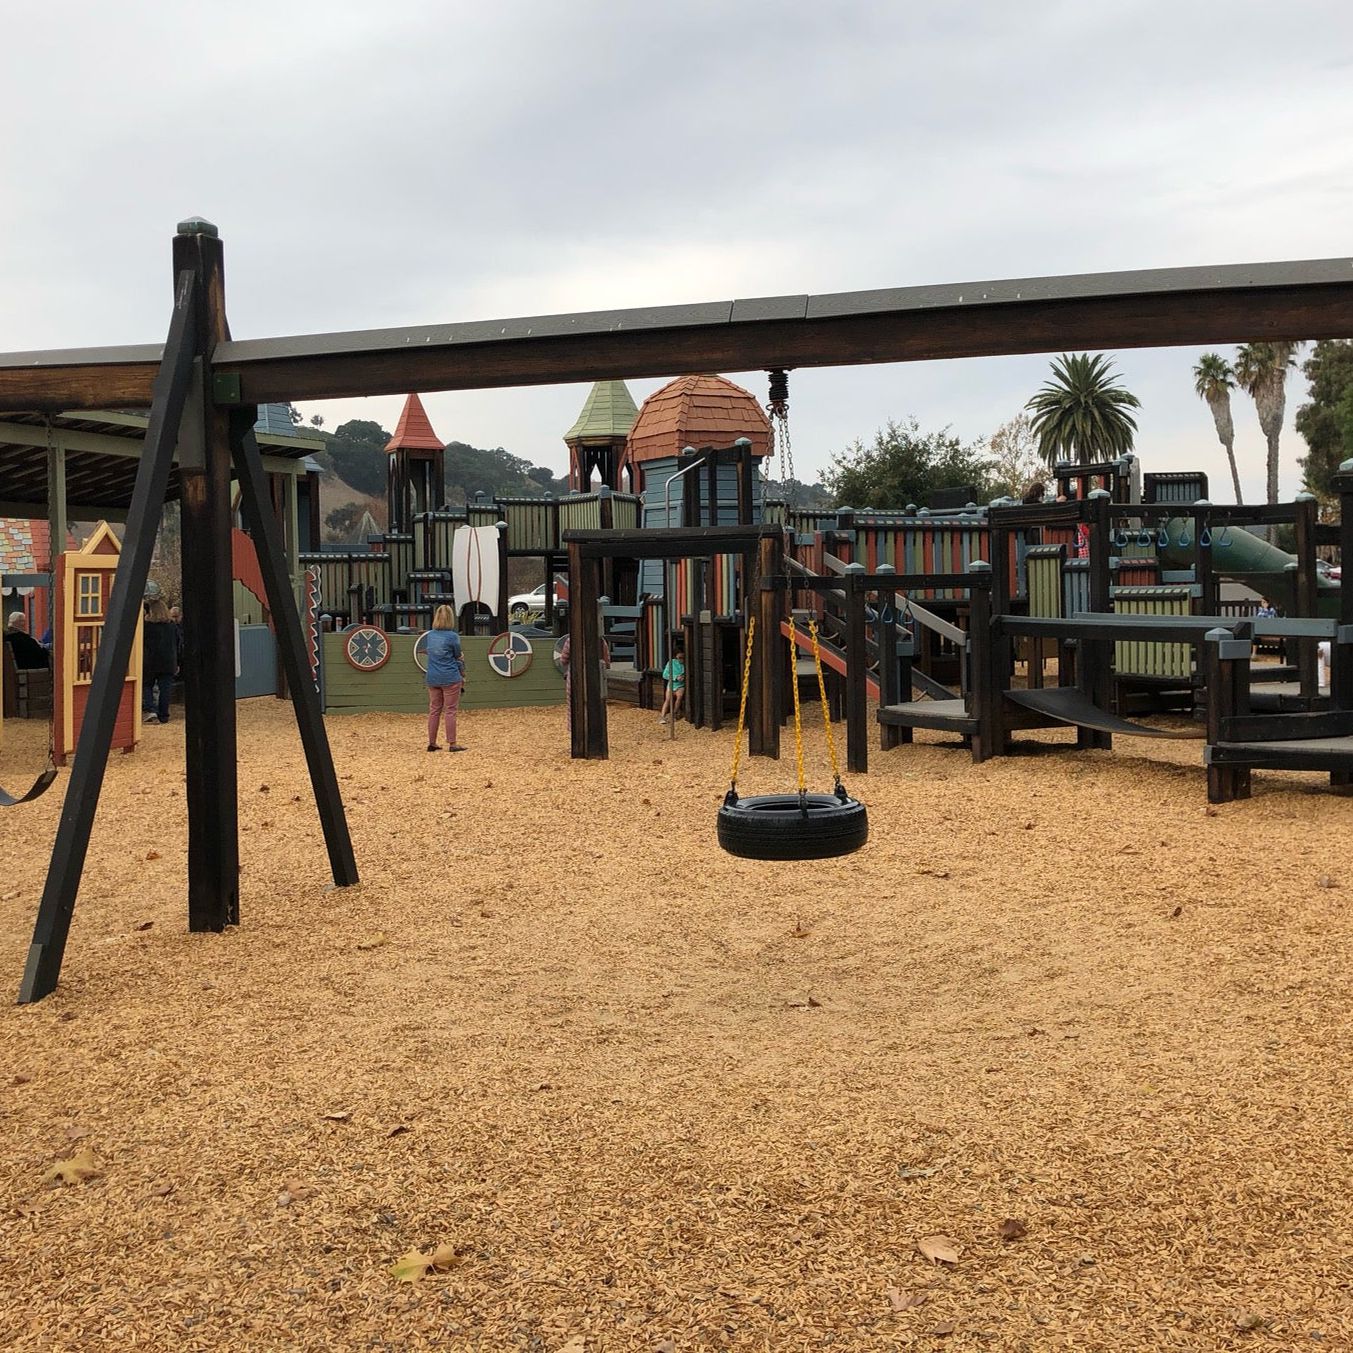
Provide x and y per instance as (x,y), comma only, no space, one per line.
(129,585)
(272,561)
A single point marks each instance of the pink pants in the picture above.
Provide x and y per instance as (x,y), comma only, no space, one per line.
(445,698)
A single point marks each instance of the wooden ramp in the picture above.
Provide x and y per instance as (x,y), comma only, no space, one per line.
(1067,704)
(950,716)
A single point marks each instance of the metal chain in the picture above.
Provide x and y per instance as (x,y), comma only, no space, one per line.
(742,704)
(778,409)
(822,696)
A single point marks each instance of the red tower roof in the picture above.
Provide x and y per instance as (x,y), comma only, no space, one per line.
(414,432)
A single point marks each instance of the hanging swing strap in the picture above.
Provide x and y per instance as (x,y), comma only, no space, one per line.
(742,710)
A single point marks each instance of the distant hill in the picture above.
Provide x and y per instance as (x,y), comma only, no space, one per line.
(354,456)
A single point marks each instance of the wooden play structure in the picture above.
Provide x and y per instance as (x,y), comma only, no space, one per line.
(203,389)
(84,598)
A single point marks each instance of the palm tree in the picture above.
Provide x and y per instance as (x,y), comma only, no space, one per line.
(1082,411)
(1261,370)
(1214,380)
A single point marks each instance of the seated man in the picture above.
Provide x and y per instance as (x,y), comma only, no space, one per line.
(28,653)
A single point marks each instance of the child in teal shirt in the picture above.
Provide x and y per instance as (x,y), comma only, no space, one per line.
(674,674)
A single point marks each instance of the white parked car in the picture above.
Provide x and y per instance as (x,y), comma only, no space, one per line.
(525,605)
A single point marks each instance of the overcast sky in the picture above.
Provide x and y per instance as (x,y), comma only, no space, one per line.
(420,161)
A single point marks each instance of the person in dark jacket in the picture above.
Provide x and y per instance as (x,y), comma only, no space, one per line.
(159,661)
(29,655)
(446,677)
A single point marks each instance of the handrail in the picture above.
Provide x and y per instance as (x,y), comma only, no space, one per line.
(926,617)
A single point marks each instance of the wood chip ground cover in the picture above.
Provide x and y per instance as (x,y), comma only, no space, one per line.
(652,1096)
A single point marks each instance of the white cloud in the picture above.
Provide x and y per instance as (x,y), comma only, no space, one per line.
(422,160)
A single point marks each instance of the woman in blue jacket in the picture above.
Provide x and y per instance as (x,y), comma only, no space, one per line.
(446,677)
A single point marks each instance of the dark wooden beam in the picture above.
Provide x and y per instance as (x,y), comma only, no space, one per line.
(205,472)
(1161,308)
(269,544)
(1154,308)
(105,694)
(675,542)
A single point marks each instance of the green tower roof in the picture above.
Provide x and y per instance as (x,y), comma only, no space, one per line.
(608,414)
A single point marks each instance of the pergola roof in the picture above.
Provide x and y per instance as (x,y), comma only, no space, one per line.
(102,451)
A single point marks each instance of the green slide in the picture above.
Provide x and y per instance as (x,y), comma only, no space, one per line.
(1241,556)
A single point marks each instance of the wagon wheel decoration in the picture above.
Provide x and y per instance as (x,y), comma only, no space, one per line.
(510,654)
(420,651)
(366,648)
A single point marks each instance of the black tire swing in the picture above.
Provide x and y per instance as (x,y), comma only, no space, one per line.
(799,826)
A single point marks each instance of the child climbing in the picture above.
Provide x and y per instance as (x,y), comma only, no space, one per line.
(674,674)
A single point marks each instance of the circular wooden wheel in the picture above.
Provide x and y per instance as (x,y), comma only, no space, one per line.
(366,648)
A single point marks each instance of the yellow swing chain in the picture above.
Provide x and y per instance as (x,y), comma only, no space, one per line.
(826,717)
(742,704)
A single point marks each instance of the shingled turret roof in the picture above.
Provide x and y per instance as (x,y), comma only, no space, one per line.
(414,430)
(697,411)
(608,414)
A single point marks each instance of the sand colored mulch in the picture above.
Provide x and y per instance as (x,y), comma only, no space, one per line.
(652,1096)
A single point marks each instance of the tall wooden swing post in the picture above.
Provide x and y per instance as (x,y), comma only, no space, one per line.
(208,613)
(762,589)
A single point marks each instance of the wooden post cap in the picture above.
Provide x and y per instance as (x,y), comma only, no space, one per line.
(197,225)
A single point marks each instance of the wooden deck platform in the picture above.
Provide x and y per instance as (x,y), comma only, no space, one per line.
(1331,754)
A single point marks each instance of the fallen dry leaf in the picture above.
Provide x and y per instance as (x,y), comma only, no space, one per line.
(152,854)
(339,1116)
(941,1330)
(1248,1320)
(399,1130)
(375,941)
(75,1169)
(145,925)
(1326,881)
(414,1265)
(163,1191)
(903,1299)
(939,1249)
(1012,1229)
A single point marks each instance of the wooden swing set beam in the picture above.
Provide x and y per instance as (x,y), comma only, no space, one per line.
(1162,307)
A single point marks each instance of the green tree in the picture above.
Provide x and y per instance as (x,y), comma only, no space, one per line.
(1261,371)
(1213,381)
(1326,419)
(341,522)
(1015,462)
(356,453)
(905,465)
(1081,414)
